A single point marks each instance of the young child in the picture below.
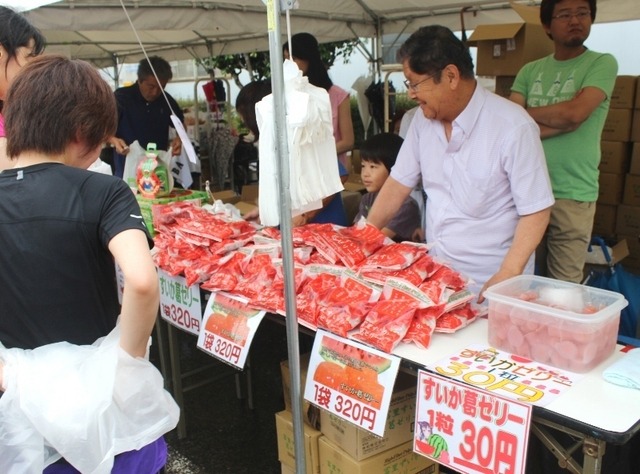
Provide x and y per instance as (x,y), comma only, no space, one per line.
(378,154)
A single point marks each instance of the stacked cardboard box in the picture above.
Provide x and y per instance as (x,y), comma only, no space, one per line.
(359,443)
(284,422)
(618,208)
(504,48)
(286,444)
(400,459)
(345,448)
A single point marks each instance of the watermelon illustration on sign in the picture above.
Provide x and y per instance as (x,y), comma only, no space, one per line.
(351,370)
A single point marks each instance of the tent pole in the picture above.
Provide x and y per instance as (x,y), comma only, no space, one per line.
(282,168)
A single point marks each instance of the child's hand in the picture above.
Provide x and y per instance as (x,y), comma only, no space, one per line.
(418,235)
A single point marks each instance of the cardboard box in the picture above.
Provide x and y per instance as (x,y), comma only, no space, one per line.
(611,188)
(245,207)
(310,412)
(361,444)
(604,221)
(228,196)
(286,469)
(614,157)
(633,259)
(631,195)
(617,126)
(286,443)
(503,85)
(618,251)
(634,134)
(248,199)
(504,48)
(624,92)
(634,165)
(628,220)
(249,193)
(398,460)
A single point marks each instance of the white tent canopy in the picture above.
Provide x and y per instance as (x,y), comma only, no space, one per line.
(99,31)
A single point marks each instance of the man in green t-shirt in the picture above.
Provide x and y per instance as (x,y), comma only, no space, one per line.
(568,94)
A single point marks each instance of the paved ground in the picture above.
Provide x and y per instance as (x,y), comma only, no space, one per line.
(223,434)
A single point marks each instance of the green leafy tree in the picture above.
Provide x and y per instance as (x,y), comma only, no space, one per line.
(257,64)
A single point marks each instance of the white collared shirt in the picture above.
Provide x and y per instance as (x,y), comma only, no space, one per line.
(479,183)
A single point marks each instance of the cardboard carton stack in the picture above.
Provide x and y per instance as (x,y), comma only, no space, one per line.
(284,424)
(339,447)
(618,208)
(504,48)
(347,449)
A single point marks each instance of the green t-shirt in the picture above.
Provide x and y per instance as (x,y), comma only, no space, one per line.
(572,158)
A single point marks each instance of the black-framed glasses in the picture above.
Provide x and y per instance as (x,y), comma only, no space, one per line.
(414,86)
(581,15)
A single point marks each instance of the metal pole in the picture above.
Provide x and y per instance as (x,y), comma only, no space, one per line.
(282,167)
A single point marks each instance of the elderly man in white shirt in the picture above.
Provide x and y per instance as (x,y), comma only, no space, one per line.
(481,164)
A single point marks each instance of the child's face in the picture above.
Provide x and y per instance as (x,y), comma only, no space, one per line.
(373,175)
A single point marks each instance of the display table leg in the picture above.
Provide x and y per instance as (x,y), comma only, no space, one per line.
(592,448)
(176,378)
(160,340)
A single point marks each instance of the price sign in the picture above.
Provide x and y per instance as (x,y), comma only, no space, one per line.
(468,429)
(351,380)
(229,327)
(508,374)
(179,303)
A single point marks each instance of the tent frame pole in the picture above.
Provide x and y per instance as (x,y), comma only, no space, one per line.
(283,185)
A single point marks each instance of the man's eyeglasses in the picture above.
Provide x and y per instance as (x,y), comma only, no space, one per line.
(414,87)
(566,17)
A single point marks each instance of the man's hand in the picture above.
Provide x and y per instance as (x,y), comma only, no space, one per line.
(119,144)
(252,215)
(176,146)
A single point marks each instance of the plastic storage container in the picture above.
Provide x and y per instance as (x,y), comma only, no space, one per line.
(566,325)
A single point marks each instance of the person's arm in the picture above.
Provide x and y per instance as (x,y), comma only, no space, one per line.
(528,235)
(306,217)
(176,146)
(387,203)
(346,127)
(563,117)
(141,296)
(119,144)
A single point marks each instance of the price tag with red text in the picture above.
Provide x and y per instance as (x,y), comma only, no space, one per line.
(351,380)
(228,329)
(180,304)
(469,429)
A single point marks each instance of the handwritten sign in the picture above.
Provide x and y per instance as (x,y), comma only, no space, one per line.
(180,304)
(469,429)
(507,374)
(351,380)
(229,327)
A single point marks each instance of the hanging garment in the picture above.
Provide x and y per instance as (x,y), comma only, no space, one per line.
(312,163)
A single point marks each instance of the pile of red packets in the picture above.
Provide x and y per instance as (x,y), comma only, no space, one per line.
(352,281)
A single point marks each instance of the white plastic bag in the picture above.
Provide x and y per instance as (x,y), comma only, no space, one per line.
(83,403)
(137,155)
